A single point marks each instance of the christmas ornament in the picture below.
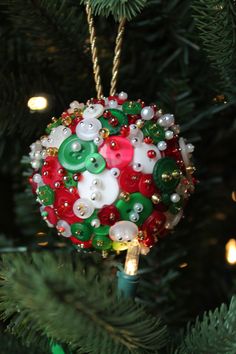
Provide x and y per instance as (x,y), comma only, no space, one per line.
(112,172)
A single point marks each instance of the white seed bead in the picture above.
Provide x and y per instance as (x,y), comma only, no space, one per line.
(175,198)
(76,146)
(123,95)
(95,223)
(147,113)
(190,148)
(162,145)
(113,104)
(169,134)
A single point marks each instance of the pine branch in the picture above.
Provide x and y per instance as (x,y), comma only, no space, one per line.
(214,334)
(216,22)
(10,345)
(117,8)
(42,296)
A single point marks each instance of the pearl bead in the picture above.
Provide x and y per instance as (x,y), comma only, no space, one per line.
(115,172)
(63,228)
(138,207)
(175,198)
(74,105)
(147,113)
(162,145)
(190,148)
(98,141)
(137,167)
(169,134)
(37,155)
(35,164)
(133,216)
(76,146)
(95,223)
(95,196)
(166,120)
(123,231)
(123,95)
(37,178)
(113,104)
(136,141)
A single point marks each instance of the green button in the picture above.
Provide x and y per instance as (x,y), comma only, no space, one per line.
(101,242)
(81,231)
(126,208)
(46,195)
(121,117)
(155,131)
(130,107)
(102,230)
(166,174)
(95,163)
(74,161)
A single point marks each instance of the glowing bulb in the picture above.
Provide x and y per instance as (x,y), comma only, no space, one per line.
(37,103)
(132,258)
(230,249)
(233,195)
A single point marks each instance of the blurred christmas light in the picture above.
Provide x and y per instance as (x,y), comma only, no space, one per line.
(233,195)
(132,258)
(230,249)
(183,265)
(37,103)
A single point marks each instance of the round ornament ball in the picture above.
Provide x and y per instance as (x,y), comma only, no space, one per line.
(112,170)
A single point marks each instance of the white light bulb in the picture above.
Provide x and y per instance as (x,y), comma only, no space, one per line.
(37,103)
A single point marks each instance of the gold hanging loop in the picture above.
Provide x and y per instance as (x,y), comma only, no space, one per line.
(117,55)
(96,67)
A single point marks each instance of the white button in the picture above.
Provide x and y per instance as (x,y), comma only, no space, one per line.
(93,111)
(141,157)
(101,189)
(56,137)
(186,154)
(83,208)
(87,129)
(123,231)
(75,105)
(63,228)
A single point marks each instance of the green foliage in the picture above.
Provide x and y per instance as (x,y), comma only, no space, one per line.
(216,22)
(11,345)
(73,305)
(214,334)
(117,8)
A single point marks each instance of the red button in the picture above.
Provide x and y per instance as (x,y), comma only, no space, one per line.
(147,186)
(82,244)
(64,201)
(52,171)
(129,180)
(108,215)
(155,224)
(117,151)
(51,217)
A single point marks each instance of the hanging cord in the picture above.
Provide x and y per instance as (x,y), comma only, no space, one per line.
(117,54)
(96,67)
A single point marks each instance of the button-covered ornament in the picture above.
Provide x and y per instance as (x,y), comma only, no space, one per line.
(112,171)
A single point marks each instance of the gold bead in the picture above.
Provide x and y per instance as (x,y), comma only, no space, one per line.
(104,133)
(176,174)
(141,235)
(166,177)
(156,199)
(191,169)
(125,196)
(66,121)
(54,119)
(52,151)
(140,123)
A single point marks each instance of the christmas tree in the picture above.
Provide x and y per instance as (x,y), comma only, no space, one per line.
(181,56)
